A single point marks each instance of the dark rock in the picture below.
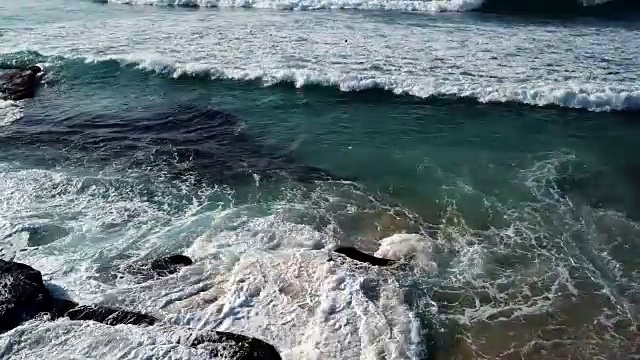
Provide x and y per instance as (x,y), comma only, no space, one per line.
(22,294)
(234,346)
(170,265)
(18,84)
(107,315)
(358,255)
(145,271)
(59,307)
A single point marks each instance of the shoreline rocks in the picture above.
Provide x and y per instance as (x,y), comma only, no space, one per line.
(23,296)
(20,84)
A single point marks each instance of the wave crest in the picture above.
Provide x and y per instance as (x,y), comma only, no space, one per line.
(555,7)
(575,96)
(403,5)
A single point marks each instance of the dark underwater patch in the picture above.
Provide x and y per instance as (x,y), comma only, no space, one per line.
(183,140)
(613,187)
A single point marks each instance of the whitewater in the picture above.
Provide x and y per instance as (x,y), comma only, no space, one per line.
(403,5)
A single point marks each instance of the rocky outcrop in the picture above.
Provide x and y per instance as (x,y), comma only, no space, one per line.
(20,84)
(161,267)
(108,315)
(141,271)
(22,294)
(233,346)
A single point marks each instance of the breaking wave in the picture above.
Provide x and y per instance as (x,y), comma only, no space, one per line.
(402,5)
(561,7)
(575,96)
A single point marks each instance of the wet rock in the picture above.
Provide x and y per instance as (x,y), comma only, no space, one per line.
(362,257)
(22,294)
(149,270)
(20,84)
(59,307)
(106,315)
(234,346)
(170,264)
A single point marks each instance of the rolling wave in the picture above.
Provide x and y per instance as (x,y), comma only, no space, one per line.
(571,95)
(578,96)
(402,5)
(538,7)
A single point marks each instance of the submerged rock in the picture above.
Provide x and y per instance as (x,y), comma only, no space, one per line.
(148,270)
(169,265)
(180,141)
(108,315)
(22,294)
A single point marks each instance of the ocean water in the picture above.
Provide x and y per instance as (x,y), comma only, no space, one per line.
(496,151)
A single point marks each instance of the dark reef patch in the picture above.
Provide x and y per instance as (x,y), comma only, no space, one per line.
(183,141)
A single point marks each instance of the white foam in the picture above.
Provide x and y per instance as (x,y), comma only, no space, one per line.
(254,274)
(402,5)
(105,217)
(268,233)
(10,111)
(308,307)
(414,246)
(578,96)
(65,339)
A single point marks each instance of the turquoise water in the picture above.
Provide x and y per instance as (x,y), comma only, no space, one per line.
(506,144)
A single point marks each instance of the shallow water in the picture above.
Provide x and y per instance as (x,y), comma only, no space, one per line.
(506,143)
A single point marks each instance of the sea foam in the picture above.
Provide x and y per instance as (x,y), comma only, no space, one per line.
(569,95)
(402,5)
(10,111)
